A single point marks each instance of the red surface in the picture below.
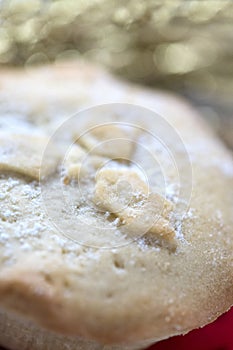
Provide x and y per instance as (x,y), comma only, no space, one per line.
(216,336)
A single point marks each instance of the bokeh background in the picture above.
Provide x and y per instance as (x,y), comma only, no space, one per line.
(181,45)
(185,46)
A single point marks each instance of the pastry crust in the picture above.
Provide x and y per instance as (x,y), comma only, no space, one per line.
(148,289)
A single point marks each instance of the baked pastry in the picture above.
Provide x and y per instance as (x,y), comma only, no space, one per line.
(116,222)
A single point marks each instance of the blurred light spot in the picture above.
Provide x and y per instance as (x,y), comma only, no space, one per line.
(121,15)
(68,55)
(138,10)
(163,14)
(116,42)
(61,13)
(120,60)
(7,56)
(24,6)
(175,58)
(202,11)
(5,42)
(37,59)
(27,31)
